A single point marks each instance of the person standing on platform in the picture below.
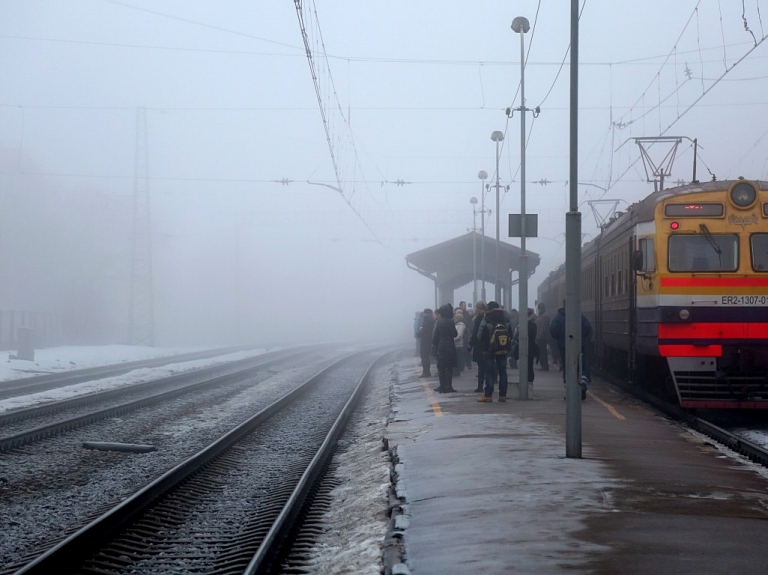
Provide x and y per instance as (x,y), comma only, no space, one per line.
(444,348)
(533,350)
(416,325)
(458,341)
(425,341)
(557,330)
(475,347)
(543,337)
(467,315)
(495,336)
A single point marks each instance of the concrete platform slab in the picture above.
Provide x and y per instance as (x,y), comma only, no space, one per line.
(487,488)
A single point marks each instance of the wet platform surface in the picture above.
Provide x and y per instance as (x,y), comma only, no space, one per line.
(488,488)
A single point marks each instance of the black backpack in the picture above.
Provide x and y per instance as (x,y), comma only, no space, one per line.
(501,343)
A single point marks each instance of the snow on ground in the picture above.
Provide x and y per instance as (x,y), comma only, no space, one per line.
(93,356)
(356,523)
(758,438)
(61,359)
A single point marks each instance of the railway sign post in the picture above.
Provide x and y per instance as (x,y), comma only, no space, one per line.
(523,226)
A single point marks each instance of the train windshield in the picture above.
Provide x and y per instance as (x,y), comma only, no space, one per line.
(759,244)
(704,252)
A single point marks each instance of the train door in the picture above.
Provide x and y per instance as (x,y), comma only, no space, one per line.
(597,328)
(632,279)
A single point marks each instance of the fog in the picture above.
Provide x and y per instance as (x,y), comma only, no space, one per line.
(262,232)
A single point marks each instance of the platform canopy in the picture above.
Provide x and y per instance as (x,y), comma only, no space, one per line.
(450,265)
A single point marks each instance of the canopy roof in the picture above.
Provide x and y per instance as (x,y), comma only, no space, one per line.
(451,265)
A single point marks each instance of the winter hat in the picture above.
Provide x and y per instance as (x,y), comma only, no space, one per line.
(446,310)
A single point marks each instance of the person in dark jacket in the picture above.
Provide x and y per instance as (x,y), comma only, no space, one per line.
(426,328)
(444,348)
(495,365)
(543,338)
(557,331)
(533,351)
(475,347)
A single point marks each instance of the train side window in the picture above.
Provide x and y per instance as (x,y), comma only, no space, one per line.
(644,259)
(759,245)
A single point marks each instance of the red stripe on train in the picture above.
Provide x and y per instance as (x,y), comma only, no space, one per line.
(731,330)
(714,282)
(678,350)
(723,404)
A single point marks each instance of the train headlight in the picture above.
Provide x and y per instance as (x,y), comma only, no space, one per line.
(684,314)
(743,194)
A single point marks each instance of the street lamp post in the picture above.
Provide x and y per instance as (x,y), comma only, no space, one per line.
(482,175)
(473,201)
(497,137)
(520,26)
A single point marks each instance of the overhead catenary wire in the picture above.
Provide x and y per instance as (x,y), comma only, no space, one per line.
(675,52)
(330,139)
(705,89)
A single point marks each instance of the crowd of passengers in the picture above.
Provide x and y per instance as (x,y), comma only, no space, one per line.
(487,335)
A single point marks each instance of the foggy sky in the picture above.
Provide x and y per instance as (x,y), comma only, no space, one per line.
(231,111)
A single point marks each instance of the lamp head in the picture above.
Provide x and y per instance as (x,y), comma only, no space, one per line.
(473,200)
(497,136)
(520,25)
(482,175)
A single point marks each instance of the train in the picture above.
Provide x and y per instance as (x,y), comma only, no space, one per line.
(676,289)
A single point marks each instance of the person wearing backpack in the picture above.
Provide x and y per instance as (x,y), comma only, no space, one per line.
(495,336)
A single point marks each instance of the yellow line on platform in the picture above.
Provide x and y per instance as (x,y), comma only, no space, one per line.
(431,396)
(606,405)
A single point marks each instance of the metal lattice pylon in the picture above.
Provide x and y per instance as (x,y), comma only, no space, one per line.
(142,312)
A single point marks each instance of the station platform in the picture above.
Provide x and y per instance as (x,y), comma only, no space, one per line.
(486,487)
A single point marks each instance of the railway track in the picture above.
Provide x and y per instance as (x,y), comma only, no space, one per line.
(231,507)
(35,384)
(124,399)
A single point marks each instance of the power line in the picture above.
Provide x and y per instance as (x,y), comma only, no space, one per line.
(397,184)
(666,59)
(162,109)
(645,61)
(705,90)
(201,24)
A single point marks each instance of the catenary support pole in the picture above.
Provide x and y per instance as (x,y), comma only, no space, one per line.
(573,262)
(522,365)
